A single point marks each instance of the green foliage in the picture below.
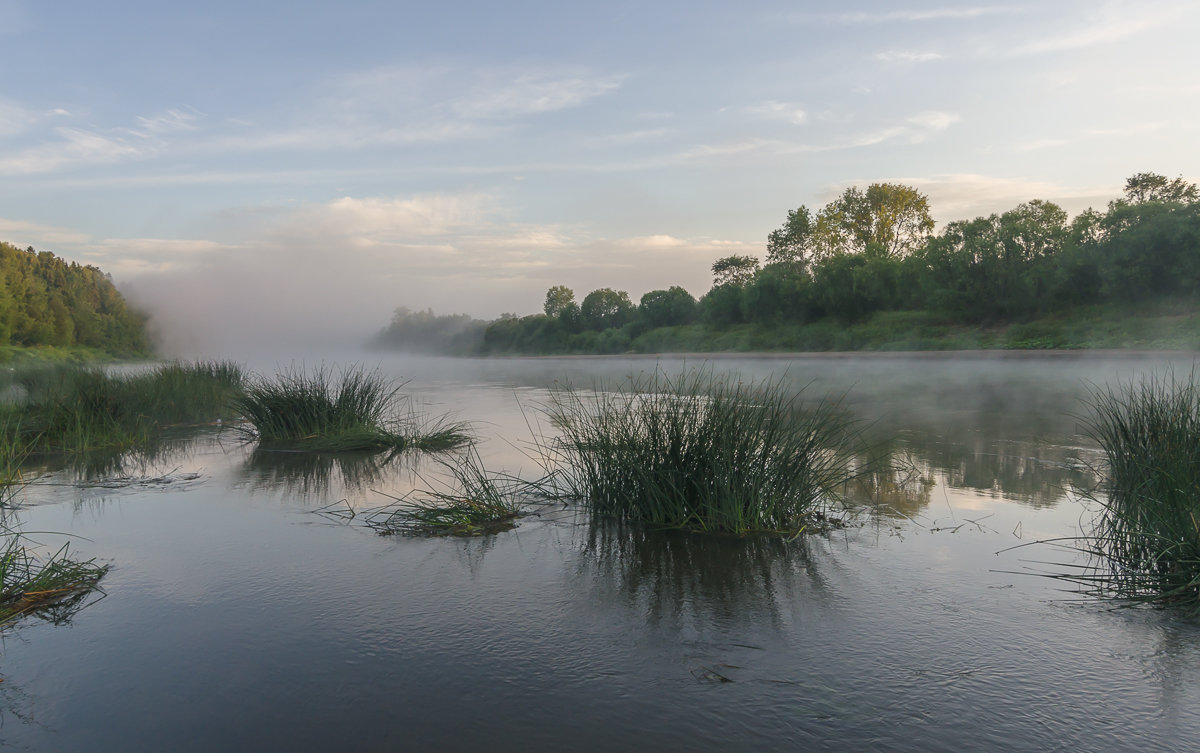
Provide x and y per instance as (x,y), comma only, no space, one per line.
(699,453)
(560,303)
(606,308)
(734,270)
(667,308)
(886,219)
(47,301)
(346,410)
(792,242)
(1144,187)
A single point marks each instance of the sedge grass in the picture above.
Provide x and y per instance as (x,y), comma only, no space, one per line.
(1145,541)
(187,393)
(77,408)
(700,453)
(52,587)
(476,503)
(339,411)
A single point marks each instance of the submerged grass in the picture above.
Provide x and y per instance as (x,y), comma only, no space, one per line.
(339,410)
(479,502)
(700,453)
(53,587)
(1146,539)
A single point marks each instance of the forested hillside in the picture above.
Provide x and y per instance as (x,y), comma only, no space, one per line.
(45,300)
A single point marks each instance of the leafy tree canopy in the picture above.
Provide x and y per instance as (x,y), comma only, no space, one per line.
(1144,187)
(737,270)
(560,302)
(887,219)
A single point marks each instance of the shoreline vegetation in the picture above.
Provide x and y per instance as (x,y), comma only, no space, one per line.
(867,273)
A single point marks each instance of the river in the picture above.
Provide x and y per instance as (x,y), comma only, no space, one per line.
(246,609)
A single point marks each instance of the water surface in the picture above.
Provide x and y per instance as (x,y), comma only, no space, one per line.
(237,618)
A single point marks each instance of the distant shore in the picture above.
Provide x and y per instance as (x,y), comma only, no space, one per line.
(996,353)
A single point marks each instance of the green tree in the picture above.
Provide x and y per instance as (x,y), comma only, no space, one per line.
(734,270)
(791,243)
(1144,187)
(559,301)
(667,308)
(605,307)
(887,219)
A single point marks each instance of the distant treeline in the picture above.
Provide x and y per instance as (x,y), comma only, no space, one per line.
(427,332)
(872,256)
(47,301)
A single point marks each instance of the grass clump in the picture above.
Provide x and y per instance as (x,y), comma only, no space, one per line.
(53,587)
(700,453)
(346,410)
(188,393)
(1146,539)
(477,503)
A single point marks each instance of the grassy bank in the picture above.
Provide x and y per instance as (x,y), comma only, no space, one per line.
(20,355)
(1160,325)
(1142,327)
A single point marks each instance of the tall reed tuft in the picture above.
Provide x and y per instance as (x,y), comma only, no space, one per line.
(187,393)
(700,453)
(1146,539)
(343,410)
(74,408)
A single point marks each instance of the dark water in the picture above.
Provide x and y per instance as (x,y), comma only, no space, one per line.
(236,618)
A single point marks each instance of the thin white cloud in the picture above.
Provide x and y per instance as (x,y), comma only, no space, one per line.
(401,106)
(909,56)
(1033,146)
(23,233)
(531,94)
(171,121)
(931,14)
(654,241)
(775,110)
(1112,23)
(934,120)
(72,146)
(1132,130)
(965,196)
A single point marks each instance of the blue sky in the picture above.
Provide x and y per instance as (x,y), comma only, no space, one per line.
(267,167)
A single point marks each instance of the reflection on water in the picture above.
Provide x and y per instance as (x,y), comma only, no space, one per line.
(111,467)
(673,577)
(316,476)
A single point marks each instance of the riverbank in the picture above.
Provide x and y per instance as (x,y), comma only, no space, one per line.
(14,355)
(1160,326)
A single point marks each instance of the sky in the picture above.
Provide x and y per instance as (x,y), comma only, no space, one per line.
(262,170)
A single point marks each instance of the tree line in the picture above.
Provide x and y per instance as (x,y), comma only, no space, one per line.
(45,300)
(875,250)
